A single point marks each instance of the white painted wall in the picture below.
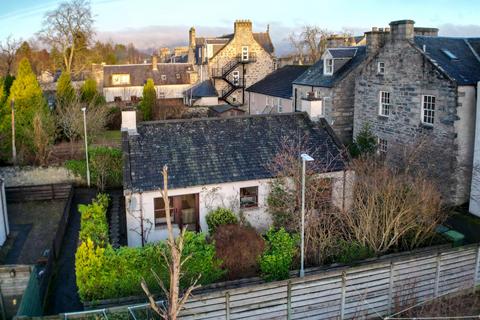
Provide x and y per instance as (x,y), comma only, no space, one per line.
(261,103)
(225,195)
(206,101)
(4,228)
(474,207)
(167,92)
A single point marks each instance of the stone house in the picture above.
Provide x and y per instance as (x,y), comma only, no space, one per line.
(326,89)
(417,90)
(273,94)
(125,82)
(233,61)
(214,162)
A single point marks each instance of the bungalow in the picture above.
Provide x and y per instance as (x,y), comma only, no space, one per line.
(273,94)
(213,162)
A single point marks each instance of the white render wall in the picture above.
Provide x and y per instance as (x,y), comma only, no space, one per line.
(225,195)
(474,207)
(167,92)
(258,103)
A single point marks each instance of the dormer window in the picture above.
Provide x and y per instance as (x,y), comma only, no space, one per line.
(120,79)
(328,68)
(381,68)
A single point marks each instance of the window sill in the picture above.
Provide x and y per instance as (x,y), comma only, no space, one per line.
(249,208)
(382,117)
(427,126)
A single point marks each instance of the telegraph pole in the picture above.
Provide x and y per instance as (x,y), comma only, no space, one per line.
(14,148)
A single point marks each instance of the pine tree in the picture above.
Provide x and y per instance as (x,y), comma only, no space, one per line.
(89,93)
(149,100)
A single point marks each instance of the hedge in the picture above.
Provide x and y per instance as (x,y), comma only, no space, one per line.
(104,272)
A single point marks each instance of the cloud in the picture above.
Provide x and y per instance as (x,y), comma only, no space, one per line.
(459,30)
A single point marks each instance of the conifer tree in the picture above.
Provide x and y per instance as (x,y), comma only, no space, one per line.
(65,91)
(149,100)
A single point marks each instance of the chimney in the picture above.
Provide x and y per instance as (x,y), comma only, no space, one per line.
(154,63)
(129,121)
(376,39)
(429,32)
(402,30)
(191,38)
(242,26)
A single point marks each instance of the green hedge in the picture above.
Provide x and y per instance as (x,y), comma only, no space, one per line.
(218,217)
(277,259)
(104,272)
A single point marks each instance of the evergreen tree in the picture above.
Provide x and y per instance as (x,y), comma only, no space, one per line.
(65,91)
(28,98)
(149,100)
(365,142)
(89,93)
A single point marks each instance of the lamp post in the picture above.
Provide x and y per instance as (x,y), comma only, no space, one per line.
(305,157)
(86,144)
(14,148)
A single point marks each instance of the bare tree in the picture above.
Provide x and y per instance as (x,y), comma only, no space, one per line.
(9,49)
(174,261)
(311,42)
(68,29)
(44,134)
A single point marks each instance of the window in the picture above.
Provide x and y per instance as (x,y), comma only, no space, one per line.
(117,99)
(267,101)
(120,79)
(249,197)
(279,105)
(449,54)
(382,146)
(133,98)
(428,109)
(244,53)
(160,212)
(381,68)
(161,95)
(328,66)
(236,77)
(164,77)
(177,75)
(384,108)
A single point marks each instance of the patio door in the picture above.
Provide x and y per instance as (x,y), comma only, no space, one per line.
(187,211)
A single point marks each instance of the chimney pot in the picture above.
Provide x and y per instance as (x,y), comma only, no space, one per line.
(154,63)
(374,29)
(129,121)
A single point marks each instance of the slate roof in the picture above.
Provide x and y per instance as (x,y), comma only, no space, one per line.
(201,90)
(218,150)
(342,53)
(466,69)
(314,75)
(139,73)
(279,82)
(224,108)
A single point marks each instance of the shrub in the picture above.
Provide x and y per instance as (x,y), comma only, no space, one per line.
(277,260)
(219,217)
(149,99)
(350,251)
(103,272)
(365,142)
(239,248)
(105,167)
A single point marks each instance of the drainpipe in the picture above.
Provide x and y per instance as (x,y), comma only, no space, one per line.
(343,190)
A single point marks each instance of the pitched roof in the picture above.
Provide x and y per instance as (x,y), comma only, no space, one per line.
(263,39)
(218,150)
(314,75)
(279,82)
(139,73)
(341,53)
(454,56)
(201,90)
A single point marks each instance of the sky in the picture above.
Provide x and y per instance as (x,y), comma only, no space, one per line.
(154,23)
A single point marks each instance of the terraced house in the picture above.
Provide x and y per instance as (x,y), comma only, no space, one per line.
(234,61)
(418,90)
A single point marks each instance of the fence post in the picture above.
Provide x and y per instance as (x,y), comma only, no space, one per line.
(227,305)
(289,300)
(477,263)
(344,291)
(437,276)
(390,288)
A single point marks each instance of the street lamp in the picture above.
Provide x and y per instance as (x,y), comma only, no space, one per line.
(14,148)
(86,144)
(305,157)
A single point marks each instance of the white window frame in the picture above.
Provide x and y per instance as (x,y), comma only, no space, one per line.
(384,104)
(279,105)
(236,77)
(428,114)
(381,68)
(382,146)
(120,79)
(245,53)
(164,77)
(328,67)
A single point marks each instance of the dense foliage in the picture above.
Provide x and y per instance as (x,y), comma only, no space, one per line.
(277,259)
(365,142)
(89,93)
(103,272)
(220,216)
(65,91)
(105,167)
(149,99)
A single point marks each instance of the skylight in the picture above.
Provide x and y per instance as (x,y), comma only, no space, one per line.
(449,54)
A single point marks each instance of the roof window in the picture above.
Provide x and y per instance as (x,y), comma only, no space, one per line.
(449,54)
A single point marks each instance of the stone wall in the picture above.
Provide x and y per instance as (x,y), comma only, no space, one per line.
(27,176)
(253,71)
(408,76)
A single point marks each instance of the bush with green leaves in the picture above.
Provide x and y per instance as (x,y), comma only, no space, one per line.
(103,272)
(105,167)
(219,217)
(351,251)
(149,100)
(277,260)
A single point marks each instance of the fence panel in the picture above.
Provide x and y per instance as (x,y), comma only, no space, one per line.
(37,192)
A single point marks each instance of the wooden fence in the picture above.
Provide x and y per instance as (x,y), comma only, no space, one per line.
(38,192)
(13,281)
(375,289)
